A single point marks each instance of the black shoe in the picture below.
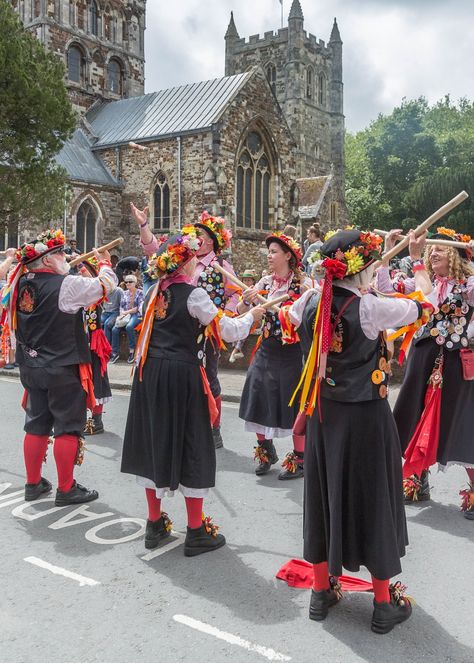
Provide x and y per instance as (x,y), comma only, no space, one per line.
(113,358)
(34,490)
(323,600)
(266,455)
(293,466)
(157,531)
(77,495)
(203,539)
(417,489)
(387,615)
(94,425)
(217,437)
(131,357)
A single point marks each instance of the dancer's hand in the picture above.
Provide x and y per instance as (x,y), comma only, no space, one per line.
(103,255)
(140,216)
(257,313)
(251,294)
(416,245)
(390,239)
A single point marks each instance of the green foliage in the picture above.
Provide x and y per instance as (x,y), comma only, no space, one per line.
(406,165)
(36,118)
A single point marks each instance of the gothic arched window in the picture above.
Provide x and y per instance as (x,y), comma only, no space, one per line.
(94,18)
(309,83)
(254,184)
(75,64)
(161,203)
(321,89)
(272,76)
(114,77)
(86,225)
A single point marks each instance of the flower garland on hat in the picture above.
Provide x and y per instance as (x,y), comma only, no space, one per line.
(167,261)
(215,226)
(47,241)
(289,242)
(455,236)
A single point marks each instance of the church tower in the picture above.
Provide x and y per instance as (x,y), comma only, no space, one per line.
(305,75)
(100,41)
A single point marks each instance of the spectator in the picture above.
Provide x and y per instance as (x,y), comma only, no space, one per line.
(129,317)
(148,281)
(290,231)
(111,311)
(314,244)
(128,265)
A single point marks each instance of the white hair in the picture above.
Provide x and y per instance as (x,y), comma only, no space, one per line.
(36,264)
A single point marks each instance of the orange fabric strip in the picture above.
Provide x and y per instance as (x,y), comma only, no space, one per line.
(211,402)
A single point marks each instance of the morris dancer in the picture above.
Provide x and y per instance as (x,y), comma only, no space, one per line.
(276,367)
(45,306)
(436,358)
(215,239)
(168,440)
(353,505)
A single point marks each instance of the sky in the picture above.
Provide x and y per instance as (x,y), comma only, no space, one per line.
(392,48)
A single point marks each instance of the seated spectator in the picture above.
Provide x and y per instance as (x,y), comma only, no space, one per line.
(111,311)
(129,317)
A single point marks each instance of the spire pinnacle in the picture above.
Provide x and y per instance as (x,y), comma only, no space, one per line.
(335,34)
(231,30)
(296,11)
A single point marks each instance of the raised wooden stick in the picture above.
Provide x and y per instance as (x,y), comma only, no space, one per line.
(429,242)
(236,280)
(90,254)
(442,211)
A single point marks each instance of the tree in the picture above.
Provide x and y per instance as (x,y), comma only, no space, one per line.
(36,118)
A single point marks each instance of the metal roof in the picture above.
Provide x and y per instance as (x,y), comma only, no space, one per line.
(170,112)
(81,164)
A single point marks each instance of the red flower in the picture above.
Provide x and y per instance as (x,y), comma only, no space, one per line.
(334,268)
(50,243)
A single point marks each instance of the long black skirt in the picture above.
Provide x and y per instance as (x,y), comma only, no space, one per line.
(353,506)
(102,391)
(456,440)
(168,437)
(271,380)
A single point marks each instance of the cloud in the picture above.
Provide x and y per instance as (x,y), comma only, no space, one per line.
(392,48)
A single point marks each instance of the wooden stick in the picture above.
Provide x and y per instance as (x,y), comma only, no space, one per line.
(429,242)
(270,304)
(236,280)
(442,211)
(90,254)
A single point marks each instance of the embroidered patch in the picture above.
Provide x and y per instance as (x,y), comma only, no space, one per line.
(161,305)
(26,300)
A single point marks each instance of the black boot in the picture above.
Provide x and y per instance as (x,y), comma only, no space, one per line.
(217,437)
(266,455)
(293,466)
(325,599)
(77,495)
(417,489)
(387,615)
(157,530)
(34,490)
(203,539)
(94,425)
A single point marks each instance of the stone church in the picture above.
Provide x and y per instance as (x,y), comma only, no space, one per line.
(262,146)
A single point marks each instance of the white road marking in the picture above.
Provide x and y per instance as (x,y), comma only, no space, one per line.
(269,654)
(166,548)
(58,570)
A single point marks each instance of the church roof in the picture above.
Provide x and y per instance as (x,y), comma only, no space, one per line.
(81,164)
(312,191)
(163,114)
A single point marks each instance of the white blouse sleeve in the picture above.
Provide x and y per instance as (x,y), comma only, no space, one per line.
(200,306)
(297,309)
(78,292)
(380,313)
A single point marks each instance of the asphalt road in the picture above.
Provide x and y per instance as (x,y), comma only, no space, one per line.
(115,605)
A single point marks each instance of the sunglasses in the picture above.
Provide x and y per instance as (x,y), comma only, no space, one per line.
(129,282)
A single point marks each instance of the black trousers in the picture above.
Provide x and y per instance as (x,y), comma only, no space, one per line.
(56,400)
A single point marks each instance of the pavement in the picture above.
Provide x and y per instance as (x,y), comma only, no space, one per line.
(77,583)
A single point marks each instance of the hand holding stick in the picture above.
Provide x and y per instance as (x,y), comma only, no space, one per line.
(270,304)
(429,242)
(101,249)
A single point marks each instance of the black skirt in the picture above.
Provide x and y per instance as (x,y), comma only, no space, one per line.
(271,380)
(168,437)
(102,390)
(456,440)
(353,506)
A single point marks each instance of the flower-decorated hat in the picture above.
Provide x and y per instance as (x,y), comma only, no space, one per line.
(287,243)
(452,236)
(49,241)
(174,252)
(215,228)
(348,252)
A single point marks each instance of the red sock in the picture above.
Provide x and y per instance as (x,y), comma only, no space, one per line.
(98,409)
(217,422)
(34,450)
(381,593)
(320,576)
(298,443)
(154,505)
(65,451)
(470,474)
(261,437)
(194,509)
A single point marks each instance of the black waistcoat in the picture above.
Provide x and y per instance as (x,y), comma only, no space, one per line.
(357,367)
(45,335)
(175,334)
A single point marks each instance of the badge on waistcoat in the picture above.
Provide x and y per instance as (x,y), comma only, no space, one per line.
(27,299)
(162,302)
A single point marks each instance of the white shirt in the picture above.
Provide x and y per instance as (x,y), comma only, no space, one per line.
(200,306)
(81,292)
